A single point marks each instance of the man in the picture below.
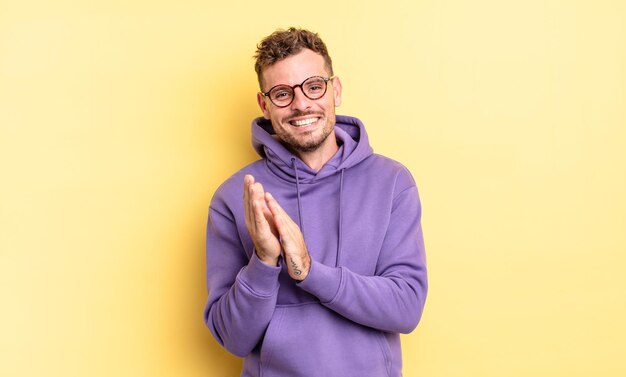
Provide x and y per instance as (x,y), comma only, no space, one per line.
(321,265)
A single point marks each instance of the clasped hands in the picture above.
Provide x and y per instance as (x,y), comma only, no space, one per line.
(273,232)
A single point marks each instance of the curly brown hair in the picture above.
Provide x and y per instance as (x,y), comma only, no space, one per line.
(284,43)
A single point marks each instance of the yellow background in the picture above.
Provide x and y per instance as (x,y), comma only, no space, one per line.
(119,119)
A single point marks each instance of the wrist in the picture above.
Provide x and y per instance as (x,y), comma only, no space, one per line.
(268,260)
(299,268)
(307,268)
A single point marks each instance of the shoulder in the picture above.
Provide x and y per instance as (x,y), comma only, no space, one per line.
(230,192)
(383,168)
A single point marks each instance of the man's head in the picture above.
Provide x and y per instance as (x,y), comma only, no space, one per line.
(284,43)
(289,59)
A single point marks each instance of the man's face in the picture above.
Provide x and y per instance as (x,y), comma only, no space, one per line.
(305,125)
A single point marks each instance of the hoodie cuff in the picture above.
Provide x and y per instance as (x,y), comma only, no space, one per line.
(258,277)
(322,281)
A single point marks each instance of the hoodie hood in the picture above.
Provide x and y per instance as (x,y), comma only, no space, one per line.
(351,137)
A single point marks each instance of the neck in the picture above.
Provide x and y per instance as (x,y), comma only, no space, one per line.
(315,160)
(318,158)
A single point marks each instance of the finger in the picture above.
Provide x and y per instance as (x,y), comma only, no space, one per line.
(273,204)
(276,209)
(246,198)
(257,191)
(256,195)
(260,222)
(269,217)
(286,227)
(259,195)
(247,181)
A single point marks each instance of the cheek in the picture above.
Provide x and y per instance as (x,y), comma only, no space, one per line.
(329,108)
(278,118)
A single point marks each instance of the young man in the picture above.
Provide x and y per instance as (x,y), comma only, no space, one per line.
(321,265)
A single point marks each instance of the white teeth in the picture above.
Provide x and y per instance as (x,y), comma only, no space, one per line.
(303,122)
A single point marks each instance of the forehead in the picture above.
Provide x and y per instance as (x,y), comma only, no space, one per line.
(295,69)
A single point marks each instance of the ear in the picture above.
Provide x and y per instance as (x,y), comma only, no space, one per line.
(337,91)
(260,99)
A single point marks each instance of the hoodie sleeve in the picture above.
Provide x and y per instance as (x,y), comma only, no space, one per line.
(393,299)
(242,290)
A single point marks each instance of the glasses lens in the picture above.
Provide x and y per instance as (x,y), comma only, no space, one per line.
(281,95)
(314,87)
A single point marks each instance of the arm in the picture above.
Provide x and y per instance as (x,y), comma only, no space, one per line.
(242,290)
(394,298)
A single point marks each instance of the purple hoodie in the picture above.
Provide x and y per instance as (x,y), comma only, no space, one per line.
(360,216)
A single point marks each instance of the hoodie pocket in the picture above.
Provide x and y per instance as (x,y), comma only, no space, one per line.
(271,338)
(386,351)
(311,340)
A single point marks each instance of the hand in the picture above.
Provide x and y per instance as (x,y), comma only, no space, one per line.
(259,222)
(291,238)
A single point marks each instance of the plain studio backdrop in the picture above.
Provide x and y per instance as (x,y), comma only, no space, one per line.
(119,119)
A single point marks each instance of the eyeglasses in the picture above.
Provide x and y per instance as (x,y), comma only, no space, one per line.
(313,88)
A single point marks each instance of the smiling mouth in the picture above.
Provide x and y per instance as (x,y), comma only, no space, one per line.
(303,122)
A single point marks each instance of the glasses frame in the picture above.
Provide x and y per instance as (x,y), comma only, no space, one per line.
(293,89)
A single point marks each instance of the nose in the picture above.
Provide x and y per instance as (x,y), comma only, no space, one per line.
(300,101)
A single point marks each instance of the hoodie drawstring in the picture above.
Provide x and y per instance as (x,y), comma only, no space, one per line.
(295,167)
(340,218)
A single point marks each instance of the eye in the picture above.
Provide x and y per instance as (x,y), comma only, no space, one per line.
(315,86)
(281,93)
